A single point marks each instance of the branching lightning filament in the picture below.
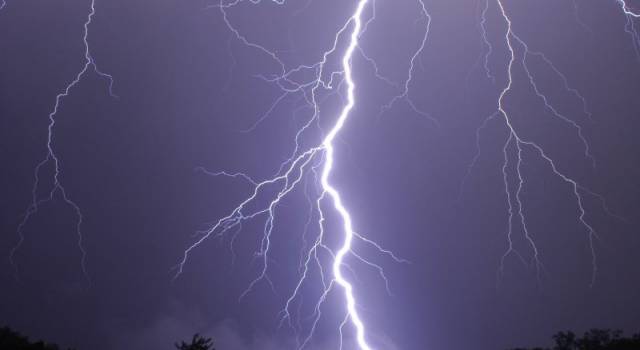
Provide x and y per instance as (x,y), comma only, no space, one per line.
(52,158)
(519,56)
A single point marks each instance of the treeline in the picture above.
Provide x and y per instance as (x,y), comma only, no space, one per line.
(595,339)
(12,340)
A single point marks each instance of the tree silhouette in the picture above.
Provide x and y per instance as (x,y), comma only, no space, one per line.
(12,340)
(594,339)
(198,342)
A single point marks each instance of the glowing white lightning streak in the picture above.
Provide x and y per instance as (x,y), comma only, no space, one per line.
(291,171)
(51,156)
(627,10)
(326,185)
(630,27)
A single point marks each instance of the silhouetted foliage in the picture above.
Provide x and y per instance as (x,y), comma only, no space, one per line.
(197,343)
(595,339)
(12,340)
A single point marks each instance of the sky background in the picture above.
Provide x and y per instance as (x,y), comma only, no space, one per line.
(187,90)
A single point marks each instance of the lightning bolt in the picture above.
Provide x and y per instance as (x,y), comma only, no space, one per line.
(627,10)
(313,164)
(52,159)
(328,188)
(630,27)
(519,52)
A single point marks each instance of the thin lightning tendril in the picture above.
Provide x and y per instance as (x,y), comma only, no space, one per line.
(486,42)
(404,93)
(519,51)
(515,138)
(52,158)
(627,10)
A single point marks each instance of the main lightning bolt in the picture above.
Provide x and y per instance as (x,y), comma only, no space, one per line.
(314,163)
(328,188)
(627,10)
(630,26)
(52,158)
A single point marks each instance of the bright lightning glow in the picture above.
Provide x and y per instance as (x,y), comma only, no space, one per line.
(630,26)
(328,165)
(316,163)
(404,94)
(627,10)
(53,159)
(486,42)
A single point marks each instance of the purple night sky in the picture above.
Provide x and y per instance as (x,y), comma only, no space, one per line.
(187,91)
